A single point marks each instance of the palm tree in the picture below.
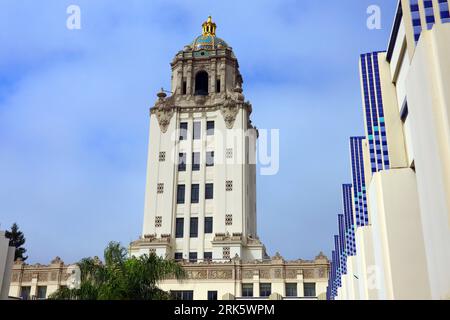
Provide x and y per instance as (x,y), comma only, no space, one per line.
(121,278)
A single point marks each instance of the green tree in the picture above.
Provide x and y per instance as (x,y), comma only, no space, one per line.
(121,277)
(17,240)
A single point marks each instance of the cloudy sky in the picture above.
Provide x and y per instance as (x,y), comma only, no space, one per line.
(74,112)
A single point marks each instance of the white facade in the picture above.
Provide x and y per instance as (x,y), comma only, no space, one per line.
(206,93)
(404,250)
(6,263)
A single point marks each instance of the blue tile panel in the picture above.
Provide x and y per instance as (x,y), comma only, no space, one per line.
(443,8)
(342,240)
(415,16)
(350,245)
(359,181)
(429,13)
(374,112)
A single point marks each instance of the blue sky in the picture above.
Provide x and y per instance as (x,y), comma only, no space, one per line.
(74,112)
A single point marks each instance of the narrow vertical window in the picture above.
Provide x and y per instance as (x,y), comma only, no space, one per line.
(218,85)
(195,161)
(210,159)
(183,130)
(210,128)
(194,228)
(181,190)
(179,228)
(184,87)
(209,225)
(197,130)
(182,162)
(209,191)
(195,193)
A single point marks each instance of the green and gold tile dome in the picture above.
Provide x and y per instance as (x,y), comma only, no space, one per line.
(208,39)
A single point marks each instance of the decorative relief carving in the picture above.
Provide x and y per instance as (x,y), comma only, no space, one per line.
(229,111)
(164,110)
(308,273)
(247,274)
(54,276)
(264,274)
(220,274)
(278,274)
(43,276)
(27,276)
(15,277)
(291,274)
(197,275)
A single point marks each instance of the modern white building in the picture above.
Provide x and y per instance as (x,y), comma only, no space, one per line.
(401,167)
(6,263)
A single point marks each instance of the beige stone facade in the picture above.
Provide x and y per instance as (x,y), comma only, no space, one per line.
(299,279)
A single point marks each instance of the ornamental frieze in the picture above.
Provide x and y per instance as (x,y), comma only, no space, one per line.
(220,274)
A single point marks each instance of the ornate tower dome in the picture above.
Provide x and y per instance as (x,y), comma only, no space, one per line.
(208,40)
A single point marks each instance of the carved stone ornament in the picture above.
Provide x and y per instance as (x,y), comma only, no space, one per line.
(164,110)
(229,111)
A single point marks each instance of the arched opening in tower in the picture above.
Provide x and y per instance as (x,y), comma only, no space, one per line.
(201,84)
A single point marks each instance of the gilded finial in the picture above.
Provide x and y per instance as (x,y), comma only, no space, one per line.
(209,27)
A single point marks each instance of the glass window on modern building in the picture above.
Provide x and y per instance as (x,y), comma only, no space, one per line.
(291,290)
(195,193)
(265,289)
(210,159)
(195,161)
(212,295)
(309,289)
(179,228)
(209,191)
(194,228)
(197,130)
(193,257)
(183,131)
(210,128)
(247,289)
(209,225)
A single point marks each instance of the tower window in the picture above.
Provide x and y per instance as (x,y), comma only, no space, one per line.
(193,257)
(183,130)
(194,228)
(181,189)
(229,220)
(209,225)
(162,156)
(207,256)
(195,161)
(210,159)
(201,83)
(209,191)
(184,90)
(229,185)
(218,85)
(210,128)
(197,130)
(195,193)
(182,162)
(160,188)
(179,228)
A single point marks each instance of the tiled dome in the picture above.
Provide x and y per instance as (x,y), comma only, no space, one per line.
(208,42)
(208,39)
